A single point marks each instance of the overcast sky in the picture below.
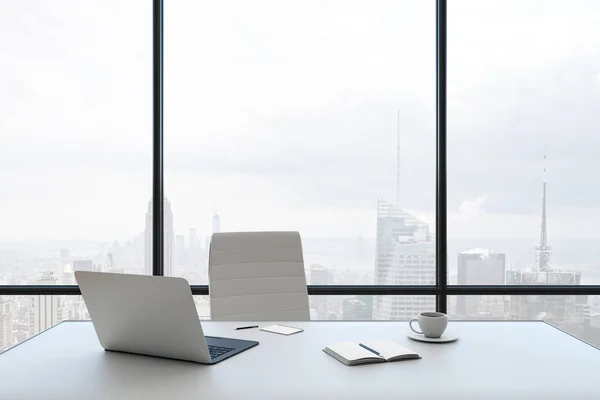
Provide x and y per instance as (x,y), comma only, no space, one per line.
(283,115)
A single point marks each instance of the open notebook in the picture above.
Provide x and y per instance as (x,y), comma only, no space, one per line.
(351,353)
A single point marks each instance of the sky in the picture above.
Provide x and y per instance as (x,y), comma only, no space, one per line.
(284,115)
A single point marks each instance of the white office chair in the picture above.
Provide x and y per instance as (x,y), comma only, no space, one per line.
(257,276)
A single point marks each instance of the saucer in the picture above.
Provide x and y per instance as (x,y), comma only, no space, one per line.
(445,338)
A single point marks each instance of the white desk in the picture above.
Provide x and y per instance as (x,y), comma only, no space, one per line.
(491,360)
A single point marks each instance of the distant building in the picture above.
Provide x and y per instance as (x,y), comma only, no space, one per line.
(562,310)
(413,263)
(356,309)
(394,225)
(319,276)
(216,228)
(570,310)
(64,255)
(45,311)
(110,263)
(401,241)
(179,249)
(68,277)
(202,306)
(6,323)
(595,305)
(216,223)
(480,267)
(169,238)
(83,265)
(193,240)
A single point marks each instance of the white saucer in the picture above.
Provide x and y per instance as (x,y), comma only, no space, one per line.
(445,338)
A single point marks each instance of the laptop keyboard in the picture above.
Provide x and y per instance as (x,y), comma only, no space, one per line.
(217,351)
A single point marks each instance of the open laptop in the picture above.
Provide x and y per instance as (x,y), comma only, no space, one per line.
(151,315)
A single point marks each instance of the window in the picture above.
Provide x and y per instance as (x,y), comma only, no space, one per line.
(521,131)
(75,148)
(22,317)
(573,314)
(285,115)
(321,117)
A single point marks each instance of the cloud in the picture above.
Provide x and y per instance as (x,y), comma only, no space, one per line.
(472,208)
(293,108)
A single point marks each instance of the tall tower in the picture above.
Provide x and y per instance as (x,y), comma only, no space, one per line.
(564,310)
(148,241)
(45,311)
(398,162)
(6,322)
(216,223)
(400,236)
(169,239)
(318,276)
(543,251)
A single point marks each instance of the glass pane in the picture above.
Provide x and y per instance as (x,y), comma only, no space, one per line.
(361,307)
(300,115)
(353,308)
(523,89)
(24,316)
(75,148)
(577,315)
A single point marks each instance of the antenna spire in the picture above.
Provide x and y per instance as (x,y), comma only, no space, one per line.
(543,250)
(398,162)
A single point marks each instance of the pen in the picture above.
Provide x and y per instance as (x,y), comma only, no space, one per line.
(246,327)
(368,348)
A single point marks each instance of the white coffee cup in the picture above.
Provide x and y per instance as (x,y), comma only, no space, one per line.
(432,324)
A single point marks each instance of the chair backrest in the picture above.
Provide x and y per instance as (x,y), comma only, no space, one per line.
(257,276)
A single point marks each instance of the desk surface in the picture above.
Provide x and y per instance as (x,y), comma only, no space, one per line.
(490,360)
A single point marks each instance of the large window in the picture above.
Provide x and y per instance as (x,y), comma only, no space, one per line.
(522,133)
(286,115)
(326,117)
(569,313)
(76,138)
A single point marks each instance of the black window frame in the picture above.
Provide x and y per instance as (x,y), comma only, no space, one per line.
(441,289)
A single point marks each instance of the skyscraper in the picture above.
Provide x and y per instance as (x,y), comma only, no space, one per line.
(216,223)
(169,239)
(64,255)
(148,241)
(480,267)
(394,225)
(412,263)
(404,255)
(543,251)
(357,309)
(45,311)
(179,249)
(193,239)
(83,265)
(318,276)
(562,310)
(6,322)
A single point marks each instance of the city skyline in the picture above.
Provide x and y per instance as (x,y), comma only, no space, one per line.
(302,116)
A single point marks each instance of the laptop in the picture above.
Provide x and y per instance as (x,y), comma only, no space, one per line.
(151,315)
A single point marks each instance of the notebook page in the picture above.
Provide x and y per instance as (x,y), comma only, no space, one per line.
(281,329)
(388,349)
(351,351)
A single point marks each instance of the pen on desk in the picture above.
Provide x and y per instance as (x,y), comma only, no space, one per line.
(368,348)
(246,327)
